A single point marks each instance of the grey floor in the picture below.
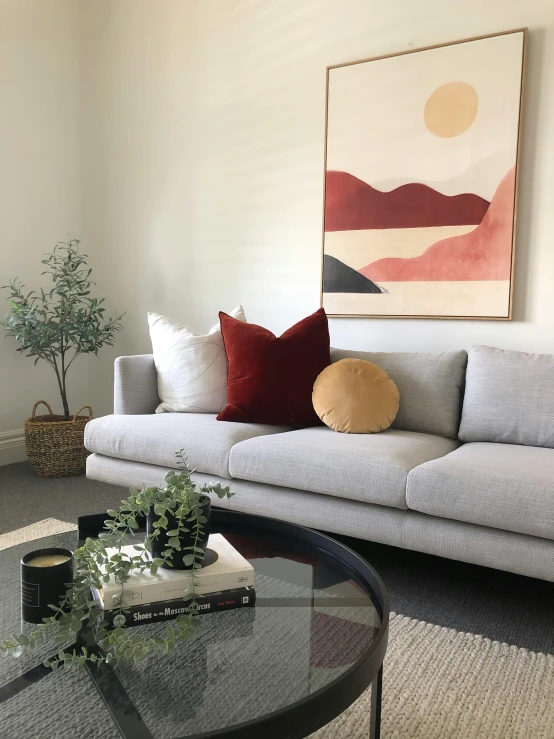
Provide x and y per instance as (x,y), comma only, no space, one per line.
(26,498)
(503,607)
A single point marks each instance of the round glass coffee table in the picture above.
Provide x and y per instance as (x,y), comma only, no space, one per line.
(314,642)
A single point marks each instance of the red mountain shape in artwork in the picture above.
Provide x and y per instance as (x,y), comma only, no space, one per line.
(353,205)
(483,254)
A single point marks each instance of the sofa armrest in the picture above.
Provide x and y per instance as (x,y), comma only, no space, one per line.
(135,385)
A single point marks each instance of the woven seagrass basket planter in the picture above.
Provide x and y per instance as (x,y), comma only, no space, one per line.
(54,445)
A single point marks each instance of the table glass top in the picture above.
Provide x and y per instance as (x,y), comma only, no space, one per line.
(312,621)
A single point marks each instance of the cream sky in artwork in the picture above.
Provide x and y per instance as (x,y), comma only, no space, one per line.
(377,116)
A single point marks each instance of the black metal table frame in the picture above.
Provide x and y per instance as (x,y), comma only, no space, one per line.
(295,721)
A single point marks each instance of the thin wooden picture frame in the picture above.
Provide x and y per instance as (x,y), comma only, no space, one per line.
(525,36)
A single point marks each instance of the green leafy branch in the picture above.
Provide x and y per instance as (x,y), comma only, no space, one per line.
(95,566)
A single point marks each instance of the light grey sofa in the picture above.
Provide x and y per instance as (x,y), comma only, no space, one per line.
(465,472)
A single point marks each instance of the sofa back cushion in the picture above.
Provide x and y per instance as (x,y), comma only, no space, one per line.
(430,387)
(509,398)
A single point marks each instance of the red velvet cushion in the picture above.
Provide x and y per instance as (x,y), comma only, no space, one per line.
(270,379)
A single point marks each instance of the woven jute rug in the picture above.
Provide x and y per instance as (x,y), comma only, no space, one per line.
(438,683)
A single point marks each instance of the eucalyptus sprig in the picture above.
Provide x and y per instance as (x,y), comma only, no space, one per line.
(94,566)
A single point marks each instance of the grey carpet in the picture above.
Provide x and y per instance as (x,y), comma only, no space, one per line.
(26,498)
(500,606)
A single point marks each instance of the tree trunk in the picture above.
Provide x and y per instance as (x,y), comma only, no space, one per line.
(65,405)
(63,394)
(62,374)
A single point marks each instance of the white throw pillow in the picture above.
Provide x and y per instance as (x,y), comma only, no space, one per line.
(191,368)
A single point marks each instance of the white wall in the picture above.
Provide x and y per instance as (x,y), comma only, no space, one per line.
(41,143)
(200,179)
(211,143)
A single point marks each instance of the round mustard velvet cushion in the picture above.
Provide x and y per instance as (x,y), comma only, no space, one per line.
(355,397)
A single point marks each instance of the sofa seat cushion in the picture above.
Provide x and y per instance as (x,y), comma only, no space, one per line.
(155,439)
(368,467)
(503,486)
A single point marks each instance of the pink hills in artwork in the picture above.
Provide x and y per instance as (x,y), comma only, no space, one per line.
(482,254)
(351,205)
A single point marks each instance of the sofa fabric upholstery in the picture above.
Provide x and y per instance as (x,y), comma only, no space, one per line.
(135,384)
(430,385)
(486,502)
(525,555)
(509,397)
(498,485)
(368,467)
(155,438)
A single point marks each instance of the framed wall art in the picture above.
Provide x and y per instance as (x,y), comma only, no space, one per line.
(421,160)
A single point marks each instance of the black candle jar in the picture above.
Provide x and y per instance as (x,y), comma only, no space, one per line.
(42,585)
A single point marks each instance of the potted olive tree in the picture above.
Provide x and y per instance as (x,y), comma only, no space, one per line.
(57,327)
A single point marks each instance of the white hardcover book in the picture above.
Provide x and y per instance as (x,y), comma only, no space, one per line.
(230,570)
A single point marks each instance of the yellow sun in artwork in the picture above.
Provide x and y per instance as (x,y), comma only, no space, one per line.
(451,109)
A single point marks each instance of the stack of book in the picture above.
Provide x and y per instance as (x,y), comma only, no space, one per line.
(225,581)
